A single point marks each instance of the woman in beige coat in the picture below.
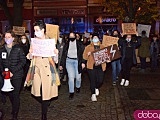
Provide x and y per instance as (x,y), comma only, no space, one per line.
(43,86)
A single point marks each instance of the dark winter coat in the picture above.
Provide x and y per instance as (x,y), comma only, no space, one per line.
(134,44)
(80,49)
(14,62)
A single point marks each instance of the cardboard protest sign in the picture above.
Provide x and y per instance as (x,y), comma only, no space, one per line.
(86,35)
(43,48)
(142,27)
(52,31)
(129,28)
(19,30)
(109,40)
(106,54)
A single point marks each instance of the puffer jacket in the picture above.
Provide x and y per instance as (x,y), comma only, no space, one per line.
(15,61)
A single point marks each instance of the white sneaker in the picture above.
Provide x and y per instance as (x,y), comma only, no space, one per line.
(126,83)
(122,81)
(97,92)
(93,98)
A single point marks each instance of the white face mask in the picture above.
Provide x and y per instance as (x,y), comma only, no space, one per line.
(38,34)
(95,40)
(23,41)
(128,39)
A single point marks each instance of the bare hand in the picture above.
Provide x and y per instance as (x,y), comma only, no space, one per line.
(89,53)
(60,68)
(29,56)
(11,75)
(122,34)
(56,51)
(30,50)
(83,65)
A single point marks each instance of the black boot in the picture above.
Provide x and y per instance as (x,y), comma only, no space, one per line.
(71,95)
(77,90)
(14,116)
(44,116)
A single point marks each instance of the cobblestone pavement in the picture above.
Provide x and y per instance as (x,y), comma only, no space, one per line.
(114,102)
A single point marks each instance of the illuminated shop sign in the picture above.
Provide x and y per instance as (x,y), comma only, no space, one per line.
(105,20)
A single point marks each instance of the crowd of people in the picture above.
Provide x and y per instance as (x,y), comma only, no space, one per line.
(73,54)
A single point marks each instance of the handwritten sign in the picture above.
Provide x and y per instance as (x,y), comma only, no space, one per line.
(106,54)
(43,48)
(52,31)
(86,35)
(109,40)
(142,27)
(19,30)
(129,28)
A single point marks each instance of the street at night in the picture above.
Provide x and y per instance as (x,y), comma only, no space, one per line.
(114,102)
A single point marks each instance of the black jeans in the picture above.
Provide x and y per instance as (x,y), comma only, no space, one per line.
(96,78)
(14,95)
(44,103)
(126,68)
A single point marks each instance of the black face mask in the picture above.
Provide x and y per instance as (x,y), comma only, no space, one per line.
(115,35)
(72,39)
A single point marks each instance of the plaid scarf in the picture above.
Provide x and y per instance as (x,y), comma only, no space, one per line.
(31,71)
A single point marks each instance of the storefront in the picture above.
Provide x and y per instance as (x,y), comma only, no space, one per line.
(68,15)
(102,24)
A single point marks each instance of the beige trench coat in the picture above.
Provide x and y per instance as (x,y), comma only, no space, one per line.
(42,78)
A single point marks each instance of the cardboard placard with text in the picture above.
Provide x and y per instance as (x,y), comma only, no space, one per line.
(109,40)
(86,35)
(106,54)
(129,28)
(18,30)
(43,48)
(52,31)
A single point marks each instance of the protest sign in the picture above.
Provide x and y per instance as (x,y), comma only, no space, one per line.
(106,54)
(19,30)
(86,35)
(109,40)
(43,48)
(129,28)
(142,27)
(52,31)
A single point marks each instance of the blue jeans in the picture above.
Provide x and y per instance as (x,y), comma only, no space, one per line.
(72,69)
(116,68)
(154,58)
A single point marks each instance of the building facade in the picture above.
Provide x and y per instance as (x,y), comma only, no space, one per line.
(76,15)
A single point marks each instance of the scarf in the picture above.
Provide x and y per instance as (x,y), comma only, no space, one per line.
(31,71)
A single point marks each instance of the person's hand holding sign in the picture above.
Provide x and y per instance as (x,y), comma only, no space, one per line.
(56,51)
(56,57)
(89,53)
(29,55)
(60,68)
(83,65)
